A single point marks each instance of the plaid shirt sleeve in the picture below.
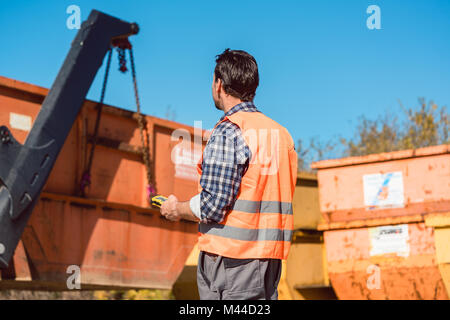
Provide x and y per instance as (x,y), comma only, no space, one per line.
(225,160)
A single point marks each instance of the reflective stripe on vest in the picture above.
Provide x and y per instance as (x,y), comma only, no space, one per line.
(245,234)
(263,206)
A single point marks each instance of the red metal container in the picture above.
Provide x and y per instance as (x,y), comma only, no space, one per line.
(375,209)
(111,234)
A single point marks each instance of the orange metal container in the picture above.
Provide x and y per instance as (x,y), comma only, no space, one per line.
(375,208)
(111,234)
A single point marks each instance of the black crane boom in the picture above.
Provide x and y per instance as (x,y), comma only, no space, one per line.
(24,169)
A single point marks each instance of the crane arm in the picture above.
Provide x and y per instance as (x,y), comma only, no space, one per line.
(24,169)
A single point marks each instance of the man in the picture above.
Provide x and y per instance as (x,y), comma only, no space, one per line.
(247,178)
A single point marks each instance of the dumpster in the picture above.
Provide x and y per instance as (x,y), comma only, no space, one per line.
(111,234)
(380,240)
(305,269)
(441,225)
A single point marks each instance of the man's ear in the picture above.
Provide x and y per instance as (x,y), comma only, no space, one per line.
(219,86)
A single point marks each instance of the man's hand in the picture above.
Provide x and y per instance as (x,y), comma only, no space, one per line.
(169,209)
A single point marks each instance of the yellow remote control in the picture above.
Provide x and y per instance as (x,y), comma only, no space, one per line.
(157,201)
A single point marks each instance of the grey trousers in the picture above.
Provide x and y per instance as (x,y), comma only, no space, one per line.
(222,278)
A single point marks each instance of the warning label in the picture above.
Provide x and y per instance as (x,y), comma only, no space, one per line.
(185,160)
(383,190)
(389,240)
(20,121)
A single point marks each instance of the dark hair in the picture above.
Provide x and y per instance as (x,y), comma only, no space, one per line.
(239,73)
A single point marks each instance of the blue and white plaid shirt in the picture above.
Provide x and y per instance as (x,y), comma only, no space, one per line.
(225,160)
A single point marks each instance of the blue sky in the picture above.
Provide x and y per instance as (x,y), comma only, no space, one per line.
(320,66)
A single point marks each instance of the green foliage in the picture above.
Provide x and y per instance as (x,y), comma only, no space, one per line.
(424,126)
(373,136)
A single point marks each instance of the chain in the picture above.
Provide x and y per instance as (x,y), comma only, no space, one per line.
(86,178)
(142,123)
(122,60)
(122,45)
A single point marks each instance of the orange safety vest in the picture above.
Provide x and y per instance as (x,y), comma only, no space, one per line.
(260,223)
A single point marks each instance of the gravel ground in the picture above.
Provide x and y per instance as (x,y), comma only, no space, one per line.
(86,295)
(46,295)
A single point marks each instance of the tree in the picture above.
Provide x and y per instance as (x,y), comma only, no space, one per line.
(420,127)
(425,127)
(316,150)
(373,136)
(303,153)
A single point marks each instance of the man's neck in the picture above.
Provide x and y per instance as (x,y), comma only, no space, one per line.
(229,104)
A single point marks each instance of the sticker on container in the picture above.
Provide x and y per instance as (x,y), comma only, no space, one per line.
(185,160)
(383,190)
(389,240)
(20,121)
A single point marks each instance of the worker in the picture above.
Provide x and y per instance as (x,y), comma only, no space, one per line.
(247,177)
